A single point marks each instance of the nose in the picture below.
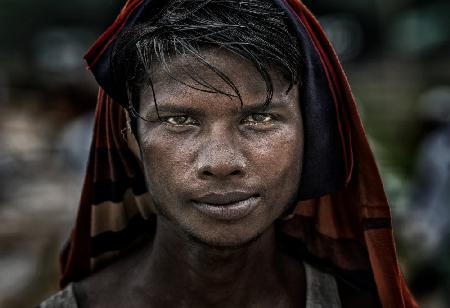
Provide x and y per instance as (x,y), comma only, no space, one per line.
(221,159)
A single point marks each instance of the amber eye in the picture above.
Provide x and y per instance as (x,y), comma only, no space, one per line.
(180,120)
(259,118)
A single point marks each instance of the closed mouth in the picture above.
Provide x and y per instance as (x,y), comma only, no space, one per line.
(223,199)
(232,206)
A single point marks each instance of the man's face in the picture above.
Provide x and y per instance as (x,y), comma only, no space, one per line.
(220,171)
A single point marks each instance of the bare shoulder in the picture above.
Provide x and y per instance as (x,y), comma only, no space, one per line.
(98,289)
(108,286)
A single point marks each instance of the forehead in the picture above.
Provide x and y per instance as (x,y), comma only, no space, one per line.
(216,74)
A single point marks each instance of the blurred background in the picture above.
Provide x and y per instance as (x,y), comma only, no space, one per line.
(396,54)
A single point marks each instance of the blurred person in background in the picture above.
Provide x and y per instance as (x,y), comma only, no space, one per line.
(428,226)
(150,228)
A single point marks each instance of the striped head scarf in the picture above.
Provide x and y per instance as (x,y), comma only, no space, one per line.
(342,219)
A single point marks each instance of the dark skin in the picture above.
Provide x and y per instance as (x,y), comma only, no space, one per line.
(220,174)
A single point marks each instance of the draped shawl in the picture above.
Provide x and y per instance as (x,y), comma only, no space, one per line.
(342,219)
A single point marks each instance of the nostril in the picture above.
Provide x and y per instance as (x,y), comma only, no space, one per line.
(207,173)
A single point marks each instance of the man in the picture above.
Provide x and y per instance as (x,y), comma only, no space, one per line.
(244,178)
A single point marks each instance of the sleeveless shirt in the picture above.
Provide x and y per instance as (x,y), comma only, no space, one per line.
(321,292)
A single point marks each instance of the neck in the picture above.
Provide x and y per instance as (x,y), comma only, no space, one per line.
(209,275)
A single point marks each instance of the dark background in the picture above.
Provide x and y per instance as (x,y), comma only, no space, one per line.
(396,55)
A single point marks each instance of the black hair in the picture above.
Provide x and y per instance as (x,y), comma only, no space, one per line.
(253,29)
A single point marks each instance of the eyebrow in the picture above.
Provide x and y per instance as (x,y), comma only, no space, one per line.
(197,111)
(263,107)
(175,110)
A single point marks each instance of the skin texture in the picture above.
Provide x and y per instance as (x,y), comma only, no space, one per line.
(209,144)
(206,147)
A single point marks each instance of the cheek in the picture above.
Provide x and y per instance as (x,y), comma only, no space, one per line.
(166,162)
(278,160)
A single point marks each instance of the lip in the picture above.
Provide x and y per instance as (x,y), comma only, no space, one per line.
(229,206)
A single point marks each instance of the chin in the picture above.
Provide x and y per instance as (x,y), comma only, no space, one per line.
(224,242)
(223,235)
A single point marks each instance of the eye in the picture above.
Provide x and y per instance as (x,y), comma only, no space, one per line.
(180,120)
(260,118)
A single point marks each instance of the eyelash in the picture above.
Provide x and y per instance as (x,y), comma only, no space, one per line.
(192,122)
(269,116)
(166,120)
